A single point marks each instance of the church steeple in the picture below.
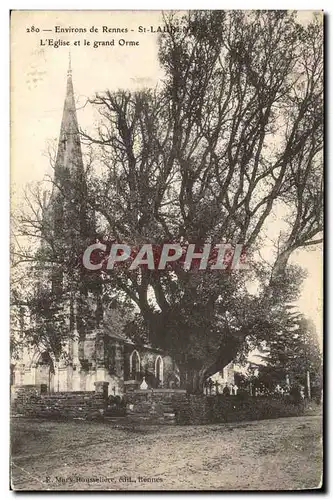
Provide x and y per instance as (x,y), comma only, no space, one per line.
(69,156)
(73,219)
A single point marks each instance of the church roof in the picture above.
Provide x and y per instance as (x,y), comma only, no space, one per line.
(115,334)
(118,334)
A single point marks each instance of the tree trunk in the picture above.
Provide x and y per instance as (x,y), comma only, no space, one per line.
(194,372)
(196,379)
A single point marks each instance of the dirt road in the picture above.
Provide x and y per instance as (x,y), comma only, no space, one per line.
(261,455)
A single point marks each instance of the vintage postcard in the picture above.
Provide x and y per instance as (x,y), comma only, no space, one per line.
(166,246)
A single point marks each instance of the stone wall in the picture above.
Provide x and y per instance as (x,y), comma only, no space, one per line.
(29,402)
(152,405)
(155,405)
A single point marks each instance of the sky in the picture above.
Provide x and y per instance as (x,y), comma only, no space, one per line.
(38,83)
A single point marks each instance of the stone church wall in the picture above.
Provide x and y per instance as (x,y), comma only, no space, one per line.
(81,404)
(166,376)
(154,405)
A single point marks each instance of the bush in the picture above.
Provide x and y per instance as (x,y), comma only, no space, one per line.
(115,400)
(218,409)
(116,407)
(316,394)
(295,394)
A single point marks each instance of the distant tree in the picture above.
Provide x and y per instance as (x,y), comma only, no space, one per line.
(52,297)
(293,351)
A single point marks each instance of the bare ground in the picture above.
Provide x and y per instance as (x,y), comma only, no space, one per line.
(285,454)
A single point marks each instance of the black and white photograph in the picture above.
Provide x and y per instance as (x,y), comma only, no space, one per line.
(166,220)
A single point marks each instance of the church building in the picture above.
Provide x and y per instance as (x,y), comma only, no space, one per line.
(94,350)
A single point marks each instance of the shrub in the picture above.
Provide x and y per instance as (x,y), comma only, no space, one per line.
(218,409)
(116,407)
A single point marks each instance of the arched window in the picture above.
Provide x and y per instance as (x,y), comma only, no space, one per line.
(159,370)
(135,365)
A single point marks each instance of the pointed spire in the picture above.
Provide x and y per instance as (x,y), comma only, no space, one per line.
(69,71)
(69,106)
(69,155)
